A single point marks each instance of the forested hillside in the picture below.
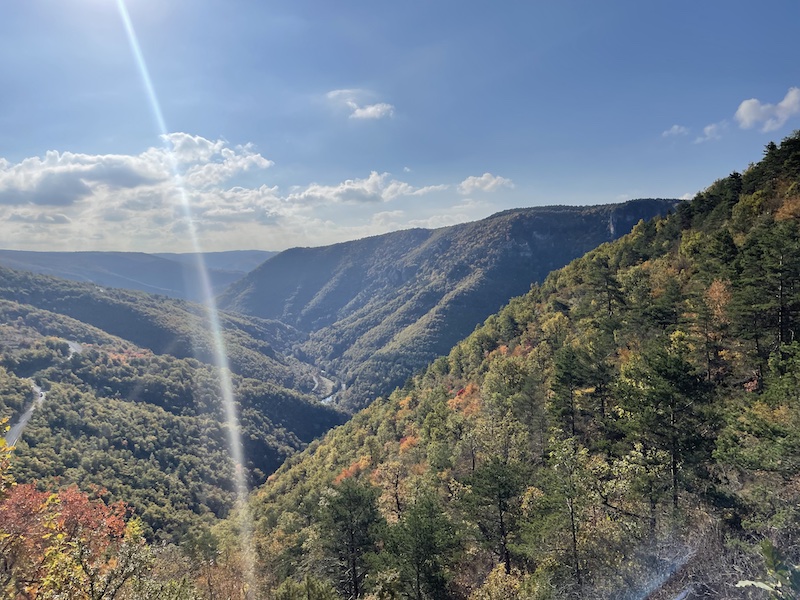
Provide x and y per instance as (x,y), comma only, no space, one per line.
(255,347)
(381,308)
(627,429)
(146,424)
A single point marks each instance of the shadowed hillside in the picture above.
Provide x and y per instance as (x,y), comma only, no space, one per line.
(380,308)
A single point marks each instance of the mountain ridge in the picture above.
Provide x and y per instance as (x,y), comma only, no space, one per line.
(168,274)
(379,308)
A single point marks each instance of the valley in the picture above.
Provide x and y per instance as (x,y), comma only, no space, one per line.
(625,421)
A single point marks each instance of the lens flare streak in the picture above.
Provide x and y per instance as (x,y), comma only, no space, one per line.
(211,313)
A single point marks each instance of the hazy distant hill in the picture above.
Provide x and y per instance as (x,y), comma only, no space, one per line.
(241,261)
(167,274)
(380,308)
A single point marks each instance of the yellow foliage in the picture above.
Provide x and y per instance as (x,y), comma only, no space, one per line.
(790,209)
(500,585)
(780,415)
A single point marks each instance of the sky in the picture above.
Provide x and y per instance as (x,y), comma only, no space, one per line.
(270,124)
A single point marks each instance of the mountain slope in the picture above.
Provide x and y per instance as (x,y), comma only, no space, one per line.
(380,308)
(627,429)
(150,429)
(255,347)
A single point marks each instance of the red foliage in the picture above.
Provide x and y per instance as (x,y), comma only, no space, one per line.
(93,521)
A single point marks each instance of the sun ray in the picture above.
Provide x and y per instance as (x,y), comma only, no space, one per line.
(212,313)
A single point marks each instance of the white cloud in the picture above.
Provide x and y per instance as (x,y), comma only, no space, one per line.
(46,218)
(70,201)
(372,111)
(753,112)
(687,196)
(485,183)
(711,132)
(387,220)
(440,220)
(675,130)
(357,102)
(375,188)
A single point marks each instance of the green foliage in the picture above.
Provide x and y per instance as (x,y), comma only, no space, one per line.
(308,589)
(351,524)
(424,543)
(163,325)
(598,431)
(151,430)
(379,309)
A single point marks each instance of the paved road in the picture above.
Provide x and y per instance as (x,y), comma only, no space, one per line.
(13,435)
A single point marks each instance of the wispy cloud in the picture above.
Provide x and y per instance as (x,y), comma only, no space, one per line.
(357,101)
(770,117)
(484,183)
(675,130)
(711,132)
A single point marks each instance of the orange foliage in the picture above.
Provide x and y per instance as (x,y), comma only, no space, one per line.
(405,408)
(467,401)
(356,467)
(407,443)
(34,524)
(790,209)
(718,296)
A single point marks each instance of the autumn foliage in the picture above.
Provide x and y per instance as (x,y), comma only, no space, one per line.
(66,543)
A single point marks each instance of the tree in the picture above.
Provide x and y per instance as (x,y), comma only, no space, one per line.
(493,502)
(68,544)
(350,523)
(308,589)
(766,299)
(667,407)
(571,374)
(423,544)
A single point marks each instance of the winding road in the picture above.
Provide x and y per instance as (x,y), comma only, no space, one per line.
(13,435)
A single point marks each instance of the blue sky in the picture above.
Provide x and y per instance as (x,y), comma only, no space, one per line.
(311,122)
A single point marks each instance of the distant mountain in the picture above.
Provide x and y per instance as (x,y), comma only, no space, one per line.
(167,274)
(378,309)
(239,261)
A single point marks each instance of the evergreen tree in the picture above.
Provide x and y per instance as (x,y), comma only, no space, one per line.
(667,408)
(493,503)
(350,524)
(423,544)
